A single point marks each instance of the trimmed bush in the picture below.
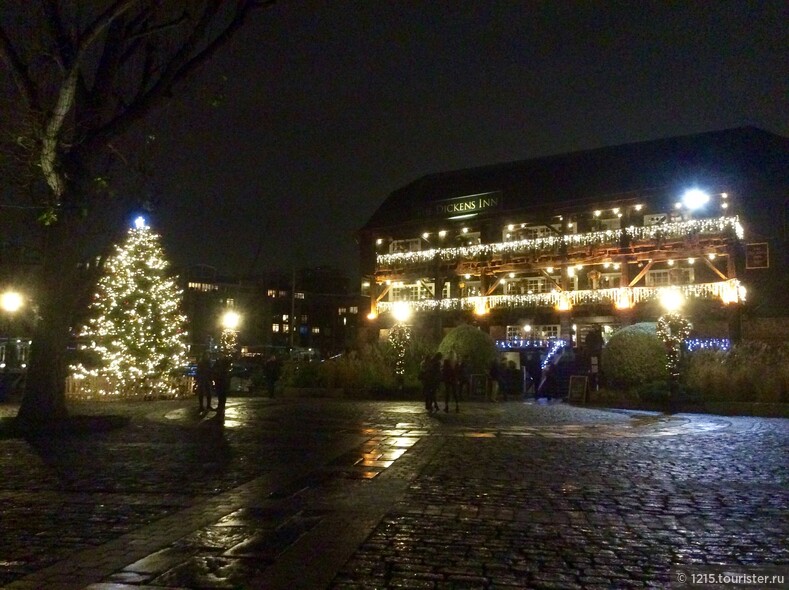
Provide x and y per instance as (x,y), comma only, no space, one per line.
(473,343)
(634,356)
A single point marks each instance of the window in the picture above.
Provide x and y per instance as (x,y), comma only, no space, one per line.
(342,311)
(670,276)
(285,328)
(610,223)
(545,331)
(304,319)
(299,295)
(285,317)
(416,291)
(271,292)
(283,293)
(610,280)
(514,332)
(530,232)
(412,245)
(230,303)
(537,332)
(316,330)
(275,327)
(203,287)
(354,309)
(656,219)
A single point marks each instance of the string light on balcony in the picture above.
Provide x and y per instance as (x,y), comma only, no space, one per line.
(554,244)
(724,291)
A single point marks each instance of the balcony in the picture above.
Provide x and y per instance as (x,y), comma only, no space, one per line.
(729,291)
(568,248)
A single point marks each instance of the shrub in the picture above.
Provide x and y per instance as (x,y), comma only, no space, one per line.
(749,372)
(472,343)
(633,356)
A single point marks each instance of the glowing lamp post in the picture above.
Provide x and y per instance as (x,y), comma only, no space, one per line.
(231,320)
(11,302)
(672,329)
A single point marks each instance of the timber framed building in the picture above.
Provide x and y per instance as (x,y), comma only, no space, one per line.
(550,247)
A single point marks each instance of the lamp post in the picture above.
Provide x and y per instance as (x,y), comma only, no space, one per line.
(230,322)
(10,302)
(672,329)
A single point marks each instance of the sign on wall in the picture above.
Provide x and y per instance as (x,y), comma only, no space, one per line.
(757,255)
(466,205)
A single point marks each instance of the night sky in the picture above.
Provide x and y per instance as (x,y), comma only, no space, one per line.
(289,140)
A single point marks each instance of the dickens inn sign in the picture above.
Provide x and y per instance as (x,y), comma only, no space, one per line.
(463,206)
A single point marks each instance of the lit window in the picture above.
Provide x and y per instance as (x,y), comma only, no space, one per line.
(299,295)
(275,327)
(283,293)
(230,303)
(316,330)
(285,328)
(284,317)
(342,310)
(353,309)
(271,292)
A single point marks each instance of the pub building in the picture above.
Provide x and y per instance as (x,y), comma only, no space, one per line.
(548,248)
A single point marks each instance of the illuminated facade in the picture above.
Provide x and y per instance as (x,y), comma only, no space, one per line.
(550,247)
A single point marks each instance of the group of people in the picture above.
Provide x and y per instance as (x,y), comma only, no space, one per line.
(436,371)
(213,379)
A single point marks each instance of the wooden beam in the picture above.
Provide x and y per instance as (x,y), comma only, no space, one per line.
(641,274)
(708,262)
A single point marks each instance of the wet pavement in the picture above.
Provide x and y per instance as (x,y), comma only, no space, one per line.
(299,493)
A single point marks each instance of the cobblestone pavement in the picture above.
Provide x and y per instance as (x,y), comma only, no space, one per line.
(329,494)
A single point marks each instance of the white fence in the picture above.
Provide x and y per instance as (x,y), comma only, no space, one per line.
(90,388)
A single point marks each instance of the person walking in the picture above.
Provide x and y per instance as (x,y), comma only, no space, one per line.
(204,383)
(222,382)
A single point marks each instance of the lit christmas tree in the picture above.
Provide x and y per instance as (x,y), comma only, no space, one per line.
(136,328)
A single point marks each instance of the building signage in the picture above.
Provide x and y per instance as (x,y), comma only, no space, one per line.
(466,205)
(757,255)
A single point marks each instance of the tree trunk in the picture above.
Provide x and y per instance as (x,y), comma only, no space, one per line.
(44,401)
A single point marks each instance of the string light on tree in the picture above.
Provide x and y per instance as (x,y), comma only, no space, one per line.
(399,337)
(136,329)
(673,329)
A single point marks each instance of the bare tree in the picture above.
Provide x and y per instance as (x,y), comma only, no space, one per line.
(83,75)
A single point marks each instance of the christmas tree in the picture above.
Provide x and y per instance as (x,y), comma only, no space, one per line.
(136,329)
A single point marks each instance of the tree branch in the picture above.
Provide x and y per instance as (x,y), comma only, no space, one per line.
(19,72)
(63,45)
(180,66)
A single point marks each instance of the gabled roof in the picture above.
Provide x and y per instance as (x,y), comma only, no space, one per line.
(603,173)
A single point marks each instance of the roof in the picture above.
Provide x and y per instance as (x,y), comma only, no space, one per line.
(601,173)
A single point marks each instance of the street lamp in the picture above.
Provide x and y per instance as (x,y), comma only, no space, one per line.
(11,302)
(230,321)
